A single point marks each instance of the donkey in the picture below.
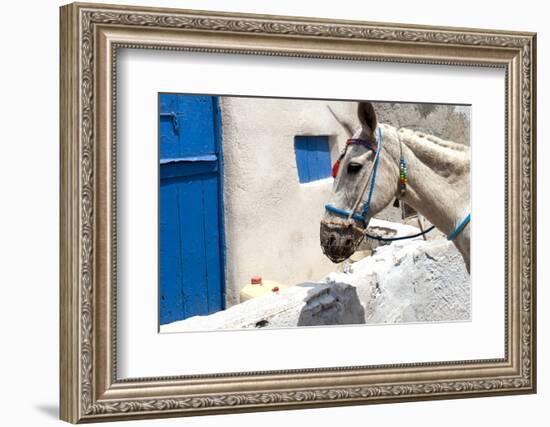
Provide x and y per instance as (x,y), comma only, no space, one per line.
(381,163)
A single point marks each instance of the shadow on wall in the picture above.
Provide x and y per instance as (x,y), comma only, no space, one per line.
(335,304)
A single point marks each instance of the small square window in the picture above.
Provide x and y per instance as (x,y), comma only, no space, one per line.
(312,157)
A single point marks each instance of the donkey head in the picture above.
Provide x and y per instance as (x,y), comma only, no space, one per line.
(353,177)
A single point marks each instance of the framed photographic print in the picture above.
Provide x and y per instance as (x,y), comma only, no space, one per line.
(266,212)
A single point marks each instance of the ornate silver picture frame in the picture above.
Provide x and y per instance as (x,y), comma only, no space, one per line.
(91,37)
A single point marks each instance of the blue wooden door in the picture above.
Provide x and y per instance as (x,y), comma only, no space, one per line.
(190,207)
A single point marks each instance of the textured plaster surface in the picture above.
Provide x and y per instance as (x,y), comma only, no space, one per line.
(414,281)
(271,220)
(306,304)
(402,282)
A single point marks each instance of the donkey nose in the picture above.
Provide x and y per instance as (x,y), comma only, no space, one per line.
(329,236)
(338,242)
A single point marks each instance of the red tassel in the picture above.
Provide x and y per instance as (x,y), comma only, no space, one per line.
(335,168)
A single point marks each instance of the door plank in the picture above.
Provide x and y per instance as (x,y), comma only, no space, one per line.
(170,262)
(212,229)
(193,248)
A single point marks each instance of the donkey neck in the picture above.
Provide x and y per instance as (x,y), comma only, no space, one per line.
(438,177)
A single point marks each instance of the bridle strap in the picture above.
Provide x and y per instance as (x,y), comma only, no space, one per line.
(374,170)
(370,144)
(372,175)
(371,179)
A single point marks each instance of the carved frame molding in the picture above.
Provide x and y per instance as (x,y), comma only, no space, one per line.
(90,37)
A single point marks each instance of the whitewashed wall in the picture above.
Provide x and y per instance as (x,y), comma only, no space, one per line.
(271,220)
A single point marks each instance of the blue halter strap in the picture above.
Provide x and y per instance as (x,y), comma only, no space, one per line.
(371,189)
(364,213)
(342,212)
(363,216)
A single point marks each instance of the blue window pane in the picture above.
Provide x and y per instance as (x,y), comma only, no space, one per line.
(312,157)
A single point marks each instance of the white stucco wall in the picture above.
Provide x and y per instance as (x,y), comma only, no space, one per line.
(271,220)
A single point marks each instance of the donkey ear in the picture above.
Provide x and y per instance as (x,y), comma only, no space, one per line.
(367,116)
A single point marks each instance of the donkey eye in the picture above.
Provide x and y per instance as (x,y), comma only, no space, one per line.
(354,167)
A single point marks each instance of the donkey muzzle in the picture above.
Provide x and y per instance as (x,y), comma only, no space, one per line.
(339,241)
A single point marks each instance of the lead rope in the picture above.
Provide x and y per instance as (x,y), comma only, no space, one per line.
(393,239)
